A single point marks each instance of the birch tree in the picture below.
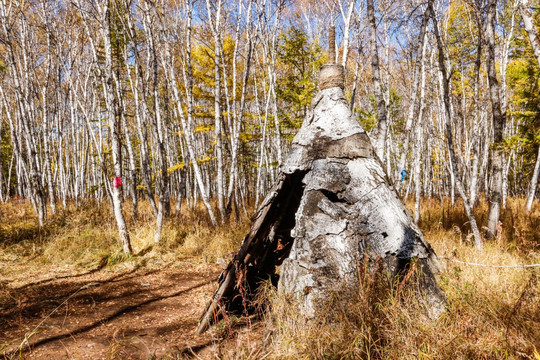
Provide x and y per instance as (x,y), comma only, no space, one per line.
(532,32)
(499,119)
(114,119)
(448,130)
(379,135)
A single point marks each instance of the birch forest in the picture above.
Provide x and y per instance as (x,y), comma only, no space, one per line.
(138,138)
(198,100)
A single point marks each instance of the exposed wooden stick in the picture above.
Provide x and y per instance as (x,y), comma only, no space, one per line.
(264,247)
(332,45)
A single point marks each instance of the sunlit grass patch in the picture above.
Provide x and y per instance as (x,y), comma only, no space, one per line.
(86,236)
(493,313)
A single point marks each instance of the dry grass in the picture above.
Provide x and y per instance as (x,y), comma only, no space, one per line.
(492,313)
(376,322)
(518,230)
(85,237)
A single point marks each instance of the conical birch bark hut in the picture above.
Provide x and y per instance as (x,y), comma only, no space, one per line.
(332,206)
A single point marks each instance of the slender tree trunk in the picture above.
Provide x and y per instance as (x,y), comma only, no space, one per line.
(47,132)
(473,186)
(347,16)
(530,26)
(419,145)
(132,168)
(379,135)
(532,32)
(1,160)
(506,171)
(238,114)
(159,128)
(534,182)
(115,127)
(499,119)
(272,53)
(449,136)
(216,24)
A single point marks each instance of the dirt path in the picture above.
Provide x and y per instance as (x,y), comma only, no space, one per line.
(137,314)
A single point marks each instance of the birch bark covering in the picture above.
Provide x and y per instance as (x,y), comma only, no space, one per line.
(348,210)
(332,206)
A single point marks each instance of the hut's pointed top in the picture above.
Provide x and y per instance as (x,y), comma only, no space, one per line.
(329,130)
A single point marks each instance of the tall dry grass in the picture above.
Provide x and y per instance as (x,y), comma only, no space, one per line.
(85,237)
(493,313)
(383,322)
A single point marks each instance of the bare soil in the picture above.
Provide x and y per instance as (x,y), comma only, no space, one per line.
(137,313)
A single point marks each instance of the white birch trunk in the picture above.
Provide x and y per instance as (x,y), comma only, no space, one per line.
(115,129)
(379,133)
(449,136)
(534,183)
(215,24)
(499,120)
(347,16)
(530,26)
(532,32)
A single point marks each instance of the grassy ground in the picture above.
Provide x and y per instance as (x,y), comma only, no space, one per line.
(493,313)
(86,237)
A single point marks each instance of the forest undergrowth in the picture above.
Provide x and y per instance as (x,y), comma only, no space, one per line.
(493,313)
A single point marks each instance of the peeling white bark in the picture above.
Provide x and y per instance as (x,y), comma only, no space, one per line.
(348,209)
(332,206)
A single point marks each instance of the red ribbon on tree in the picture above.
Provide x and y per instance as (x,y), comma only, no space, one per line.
(117,182)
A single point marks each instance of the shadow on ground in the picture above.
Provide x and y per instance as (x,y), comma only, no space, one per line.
(91,314)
